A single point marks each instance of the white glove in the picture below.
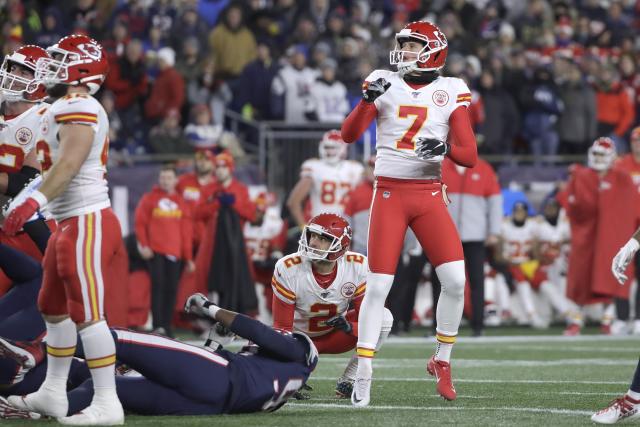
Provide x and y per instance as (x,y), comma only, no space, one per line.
(622,260)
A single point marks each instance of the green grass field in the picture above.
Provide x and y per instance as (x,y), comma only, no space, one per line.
(507,380)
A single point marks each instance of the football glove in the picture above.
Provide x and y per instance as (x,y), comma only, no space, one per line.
(622,260)
(429,148)
(198,305)
(339,322)
(372,90)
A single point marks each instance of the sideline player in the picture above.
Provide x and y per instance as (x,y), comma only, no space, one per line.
(421,118)
(318,291)
(23,107)
(327,180)
(82,251)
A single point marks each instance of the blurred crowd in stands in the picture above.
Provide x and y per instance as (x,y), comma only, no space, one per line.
(548,76)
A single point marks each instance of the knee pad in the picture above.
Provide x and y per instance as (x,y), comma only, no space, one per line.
(452,277)
(387,320)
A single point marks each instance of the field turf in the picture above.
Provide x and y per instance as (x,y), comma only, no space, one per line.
(509,380)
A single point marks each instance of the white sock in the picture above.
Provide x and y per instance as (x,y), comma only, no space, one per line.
(350,371)
(100,354)
(61,346)
(634,395)
(526,298)
(387,323)
(370,318)
(443,351)
(451,303)
(558,301)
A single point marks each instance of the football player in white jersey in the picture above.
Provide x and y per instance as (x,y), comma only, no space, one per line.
(421,118)
(327,181)
(82,251)
(318,290)
(23,107)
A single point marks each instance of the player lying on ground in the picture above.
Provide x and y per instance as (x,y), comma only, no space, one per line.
(318,291)
(181,379)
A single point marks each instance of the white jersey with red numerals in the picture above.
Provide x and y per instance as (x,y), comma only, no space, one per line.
(293,283)
(518,241)
(406,114)
(18,137)
(87,192)
(331,183)
(259,239)
(554,237)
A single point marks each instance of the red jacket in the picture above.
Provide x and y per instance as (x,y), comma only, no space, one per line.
(629,164)
(167,94)
(615,108)
(194,193)
(163,223)
(125,92)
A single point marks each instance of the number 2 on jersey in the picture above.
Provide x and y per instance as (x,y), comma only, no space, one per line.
(326,312)
(420,114)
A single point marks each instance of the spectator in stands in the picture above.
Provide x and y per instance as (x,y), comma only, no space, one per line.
(542,107)
(232,44)
(334,33)
(107,100)
(114,46)
(253,97)
(152,45)
(163,16)
(501,119)
(577,124)
(209,89)
(200,131)
(52,27)
(168,137)
(189,25)
(615,109)
(328,96)
(167,92)
(164,231)
(291,88)
(189,61)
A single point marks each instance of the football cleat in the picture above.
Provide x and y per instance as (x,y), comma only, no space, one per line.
(105,411)
(8,412)
(344,388)
(361,392)
(572,330)
(621,409)
(442,371)
(45,401)
(27,354)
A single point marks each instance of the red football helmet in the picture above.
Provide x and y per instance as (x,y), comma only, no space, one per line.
(331,225)
(75,60)
(332,148)
(17,88)
(432,56)
(602,154)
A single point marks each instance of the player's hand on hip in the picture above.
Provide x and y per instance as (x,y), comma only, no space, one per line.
(372,90)
(430,148)
(339,322)
(622,260)
(19,216)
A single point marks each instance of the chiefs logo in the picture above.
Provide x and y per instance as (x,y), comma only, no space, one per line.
(348,289)
(24,136)
(440,98)
(91,50)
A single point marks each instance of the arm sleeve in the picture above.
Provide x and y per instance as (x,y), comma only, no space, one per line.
(627,114)
(281,289)
(358,121)
(243,205)
(282,314)
(39,232)
(18,267)
(283,346)
(142,216)
(463,142)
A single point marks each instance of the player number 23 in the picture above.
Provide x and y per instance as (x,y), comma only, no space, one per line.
(420,116)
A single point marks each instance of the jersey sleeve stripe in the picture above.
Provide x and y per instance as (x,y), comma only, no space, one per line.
(77,117)
(282,291)
(464,95)
(360,289)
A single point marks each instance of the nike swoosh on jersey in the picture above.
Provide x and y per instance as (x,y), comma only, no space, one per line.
(433,193)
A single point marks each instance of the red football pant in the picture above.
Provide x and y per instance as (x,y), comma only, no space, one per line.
(79,256)
(419,204)
(337,341)
(538,278)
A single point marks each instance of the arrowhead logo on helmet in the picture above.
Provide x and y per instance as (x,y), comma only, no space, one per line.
(431,57)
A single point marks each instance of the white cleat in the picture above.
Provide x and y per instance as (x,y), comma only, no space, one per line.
(621,409)
(97,414)
(8,412)
(361,392)
(45,401)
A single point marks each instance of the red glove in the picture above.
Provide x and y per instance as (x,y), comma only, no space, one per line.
(21,214)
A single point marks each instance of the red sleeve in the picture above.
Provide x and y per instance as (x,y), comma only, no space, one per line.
(463,142)
(204,210)
(187,232)
(142,217)
(357,302)
(282,314)
(243,204)
(358,121)
(627,114)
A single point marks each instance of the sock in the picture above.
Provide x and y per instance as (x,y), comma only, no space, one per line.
(100,354)
(526,298)
(350,371)
(387,323)
(61,346)
(634,395)
(451,302)
(444,346)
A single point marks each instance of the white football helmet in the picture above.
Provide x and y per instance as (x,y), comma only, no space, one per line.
(332,148)
(601,154)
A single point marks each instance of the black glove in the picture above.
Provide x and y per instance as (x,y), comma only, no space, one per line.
(428,148)
(339,322)
(226,199)
(372,90)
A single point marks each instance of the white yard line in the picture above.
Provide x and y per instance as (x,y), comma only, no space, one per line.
(511,338)
(393,363)
(482,381)
(438,408)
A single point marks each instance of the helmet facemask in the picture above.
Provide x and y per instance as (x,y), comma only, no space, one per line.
(16,88)
(318,254)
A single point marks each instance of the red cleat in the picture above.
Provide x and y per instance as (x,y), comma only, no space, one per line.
(572,330)
(442,371)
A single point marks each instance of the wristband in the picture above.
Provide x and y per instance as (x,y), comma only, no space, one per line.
(40,198)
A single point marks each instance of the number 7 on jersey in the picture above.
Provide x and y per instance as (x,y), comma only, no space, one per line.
(420,114)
